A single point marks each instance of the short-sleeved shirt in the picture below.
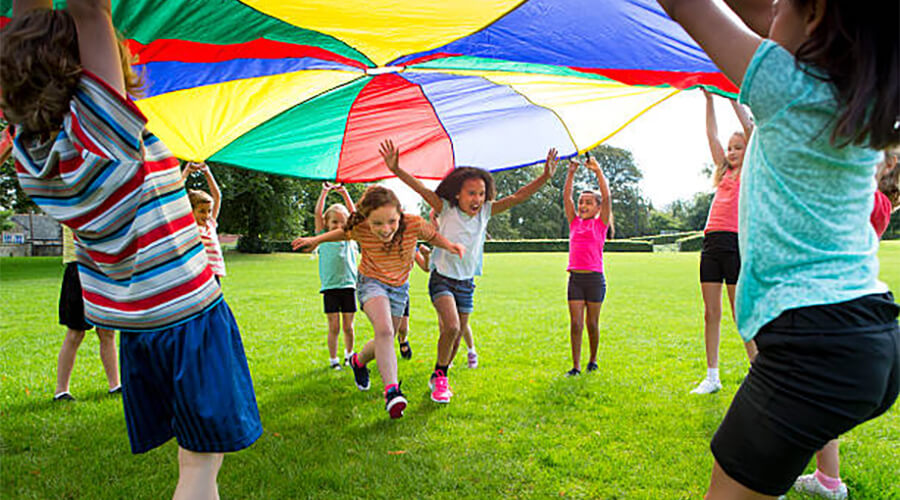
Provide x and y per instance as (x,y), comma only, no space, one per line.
(213,249)
(586,240)
(141,262)
(881,213)
(470,232)
(390,264)
(723,213)
(804,233)
(337,264)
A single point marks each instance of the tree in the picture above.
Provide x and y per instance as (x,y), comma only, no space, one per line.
(11,195)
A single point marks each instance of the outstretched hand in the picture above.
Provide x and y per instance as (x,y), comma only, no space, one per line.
(550,164)
(391,155)
(302,242)
(593,166)
(456,248)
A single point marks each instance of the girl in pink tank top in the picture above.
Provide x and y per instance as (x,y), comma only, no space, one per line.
(588,226)
(720,259)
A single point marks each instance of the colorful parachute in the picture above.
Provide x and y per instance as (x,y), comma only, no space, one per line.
(309,88)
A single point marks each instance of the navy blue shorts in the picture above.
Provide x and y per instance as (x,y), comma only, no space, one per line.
(192,382)
(587,287)
(463,291)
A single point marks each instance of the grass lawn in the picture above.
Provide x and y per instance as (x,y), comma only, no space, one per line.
(515,428)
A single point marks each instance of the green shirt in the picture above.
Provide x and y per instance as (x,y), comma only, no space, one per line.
(337,264)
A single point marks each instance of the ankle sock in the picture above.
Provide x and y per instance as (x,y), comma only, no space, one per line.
(832,483)
(472,351)
(388,388)
(334,361)
(442,369)
(354,360)
(712,374)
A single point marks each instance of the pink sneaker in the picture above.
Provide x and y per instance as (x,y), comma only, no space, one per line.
(473,359)
(441,392)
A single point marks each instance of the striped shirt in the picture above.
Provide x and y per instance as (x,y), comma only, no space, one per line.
(140,258)
(213,250)
(390,265)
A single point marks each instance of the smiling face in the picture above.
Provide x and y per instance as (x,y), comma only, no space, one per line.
(335,220)
(202,212)
(588,208)
(384,221)
(471,196)
(736,148)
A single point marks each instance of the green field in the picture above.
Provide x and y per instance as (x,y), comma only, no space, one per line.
(515,428)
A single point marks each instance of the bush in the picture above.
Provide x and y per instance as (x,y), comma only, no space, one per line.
(692,243)
(561,245)
(249,244)
(667,239)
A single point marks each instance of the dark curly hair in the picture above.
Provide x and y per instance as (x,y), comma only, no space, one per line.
(450,187)
(40,67)
(857,46)
(373,198)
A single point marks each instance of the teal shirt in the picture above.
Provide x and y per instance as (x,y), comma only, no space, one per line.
(337,264)
(804,231)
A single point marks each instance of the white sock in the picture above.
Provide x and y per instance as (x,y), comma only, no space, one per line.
(347,354)
(334,361)
(712,374)
(471,350)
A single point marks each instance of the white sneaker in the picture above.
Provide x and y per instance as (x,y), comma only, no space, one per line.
(810,485)
(707,386)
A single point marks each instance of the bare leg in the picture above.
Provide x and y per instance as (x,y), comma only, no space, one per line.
(828,459)
(449,324)
(349,334)
(723,487)
(576,327)
(403,329)
(593,327)
(467,335)
(108,356)
(381,348)
(334,327)
(750,346)
(712,318)
(197,474)
(66,359)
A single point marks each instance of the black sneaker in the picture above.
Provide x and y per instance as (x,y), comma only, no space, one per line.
(360,374)
(395,402)
(64,396)
(405,350)
(574,372)
(592,367)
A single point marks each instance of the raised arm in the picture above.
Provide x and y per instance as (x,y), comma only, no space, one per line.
(606,198)
(756,14)
(719,31)
(320,208)
(347,199)
(529,189)
(313,241)
(22,6)
(98,46)
(568,204)
(391,157)
(712,132)
(213,190)
(743,117)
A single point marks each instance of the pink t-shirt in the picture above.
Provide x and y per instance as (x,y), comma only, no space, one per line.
(881,213)
(586,239)
(723,214)
(213,250)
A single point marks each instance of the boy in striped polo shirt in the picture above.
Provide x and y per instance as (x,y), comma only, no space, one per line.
(84,156)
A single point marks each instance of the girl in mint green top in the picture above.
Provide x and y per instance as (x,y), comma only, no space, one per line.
(337,272)
(825,93)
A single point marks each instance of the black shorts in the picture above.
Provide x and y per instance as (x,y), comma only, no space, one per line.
(820,372)
(587,287)
(71,300)
(720,259)
(406,311)
(339,300)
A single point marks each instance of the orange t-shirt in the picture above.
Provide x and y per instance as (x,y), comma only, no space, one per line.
(390,265)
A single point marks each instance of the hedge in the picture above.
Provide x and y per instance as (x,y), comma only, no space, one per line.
(667,239)
(494,246)
(691,243)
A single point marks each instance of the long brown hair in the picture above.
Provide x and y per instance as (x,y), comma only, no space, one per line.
(373,198)
(451,185)
(856,44)
(889,183)
(40,67)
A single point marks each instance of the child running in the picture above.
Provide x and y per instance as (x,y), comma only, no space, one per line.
(587,283)
(387,240)
(84,156)
(464,203)
(823,91)
(206,207)
(337,272)
(720,259)
(826,480)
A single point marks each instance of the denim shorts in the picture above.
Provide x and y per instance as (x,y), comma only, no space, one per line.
(463,291)
(369,288)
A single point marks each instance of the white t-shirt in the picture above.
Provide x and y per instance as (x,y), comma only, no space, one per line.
(470,232)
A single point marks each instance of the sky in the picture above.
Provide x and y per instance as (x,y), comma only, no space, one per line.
(668,143)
